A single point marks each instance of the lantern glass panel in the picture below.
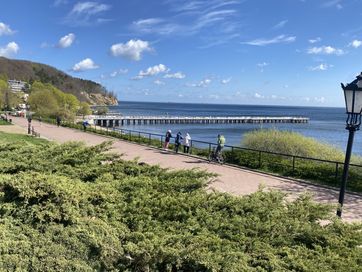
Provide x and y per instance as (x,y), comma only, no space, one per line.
(358,102)
(348,95)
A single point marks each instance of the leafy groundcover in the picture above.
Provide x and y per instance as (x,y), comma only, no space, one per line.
(76,208)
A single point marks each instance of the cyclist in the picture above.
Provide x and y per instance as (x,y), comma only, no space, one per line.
(220,144)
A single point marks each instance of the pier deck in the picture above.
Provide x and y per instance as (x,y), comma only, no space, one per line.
(119,120)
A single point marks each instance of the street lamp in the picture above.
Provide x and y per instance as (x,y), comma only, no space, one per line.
(353,98)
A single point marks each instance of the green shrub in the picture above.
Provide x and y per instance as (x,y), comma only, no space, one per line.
(76,208)
(292,143)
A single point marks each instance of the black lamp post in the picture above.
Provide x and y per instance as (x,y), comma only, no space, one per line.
(353,98)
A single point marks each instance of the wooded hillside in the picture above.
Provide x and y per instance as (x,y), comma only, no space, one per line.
(84,90)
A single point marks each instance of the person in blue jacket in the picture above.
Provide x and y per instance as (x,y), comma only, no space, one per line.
(178,140)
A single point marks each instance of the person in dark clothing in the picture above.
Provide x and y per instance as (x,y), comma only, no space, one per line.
(168,137)
(178,141)
(29,124)
(85,124)
(58,120)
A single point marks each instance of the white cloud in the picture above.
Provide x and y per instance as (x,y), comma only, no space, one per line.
(262,66)
(86,64)
(275,40)
(259,96)
(89,8)
(119,72)
(325,50)
(155,25)
(214,96)
(333,3)
(321,99)
(5,29)
(159,82)
(217,15)
(9,50)
(66,41)
(318,39)
(226,80)
(84,13)
(321,67)
(356,43)
(152,71)
(177,75)
(132,50)
(281,24)
(59,2)
(203,83)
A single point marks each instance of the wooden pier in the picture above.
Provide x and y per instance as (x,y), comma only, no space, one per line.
(119,120)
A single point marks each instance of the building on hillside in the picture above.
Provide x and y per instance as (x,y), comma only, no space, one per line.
(17,85)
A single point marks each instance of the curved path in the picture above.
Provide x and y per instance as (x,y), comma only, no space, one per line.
(230,179)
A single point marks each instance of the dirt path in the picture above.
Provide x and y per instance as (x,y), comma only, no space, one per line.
(231,179)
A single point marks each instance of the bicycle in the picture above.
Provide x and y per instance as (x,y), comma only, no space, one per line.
(216,156)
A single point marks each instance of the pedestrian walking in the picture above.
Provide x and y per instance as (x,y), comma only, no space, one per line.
(187,142)
(178,140)
(168,137)
(85,124)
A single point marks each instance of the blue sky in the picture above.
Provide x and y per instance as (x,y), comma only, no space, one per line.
(280,52)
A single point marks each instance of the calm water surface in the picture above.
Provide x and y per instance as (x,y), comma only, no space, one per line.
(326,124)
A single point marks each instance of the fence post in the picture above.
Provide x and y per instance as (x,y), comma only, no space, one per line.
(161,141)
(139,137)
(209,148)
(130,135)
(149,139)
(336,173)
(190,147)
(293,163)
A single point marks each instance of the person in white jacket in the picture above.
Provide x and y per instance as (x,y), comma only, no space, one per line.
(187,142)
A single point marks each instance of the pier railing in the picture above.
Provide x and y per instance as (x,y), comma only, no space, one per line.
(327,172)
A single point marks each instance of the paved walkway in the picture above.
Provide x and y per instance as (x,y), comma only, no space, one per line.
(231,179)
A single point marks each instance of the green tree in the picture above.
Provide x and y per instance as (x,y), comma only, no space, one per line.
(62,104)
(43,103)
(84,109)
(102,110)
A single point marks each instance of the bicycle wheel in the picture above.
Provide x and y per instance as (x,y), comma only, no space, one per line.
(220,159)
(209,158)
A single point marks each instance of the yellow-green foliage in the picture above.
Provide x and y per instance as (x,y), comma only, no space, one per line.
(84,109)
(48,101)
(7,98)
(76,208)
(292,143)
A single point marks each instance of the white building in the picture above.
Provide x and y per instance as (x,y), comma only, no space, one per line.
(17,85)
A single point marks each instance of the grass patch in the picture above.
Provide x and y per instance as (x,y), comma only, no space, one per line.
(8,138)
(4,123)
